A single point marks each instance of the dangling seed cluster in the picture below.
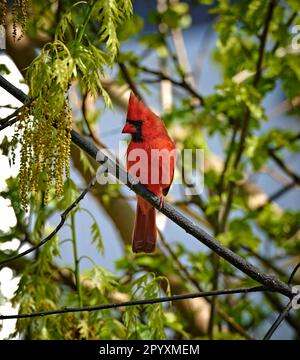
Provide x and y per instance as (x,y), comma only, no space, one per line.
(61,163)
(45,149)
(20,13)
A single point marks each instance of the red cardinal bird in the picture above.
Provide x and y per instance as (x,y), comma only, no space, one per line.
(149,138)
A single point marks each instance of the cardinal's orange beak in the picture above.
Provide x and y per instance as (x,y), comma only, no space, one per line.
(128,129)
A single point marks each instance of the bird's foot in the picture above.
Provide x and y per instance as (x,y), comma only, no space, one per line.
(161,202)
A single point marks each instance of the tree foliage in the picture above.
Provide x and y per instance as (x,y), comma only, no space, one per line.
(79,46)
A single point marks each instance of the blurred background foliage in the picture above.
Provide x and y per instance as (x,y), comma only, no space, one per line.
(90,54)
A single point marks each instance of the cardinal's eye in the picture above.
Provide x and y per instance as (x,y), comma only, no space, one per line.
(137,136)
(136,123)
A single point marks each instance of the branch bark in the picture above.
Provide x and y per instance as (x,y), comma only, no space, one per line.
(135,303)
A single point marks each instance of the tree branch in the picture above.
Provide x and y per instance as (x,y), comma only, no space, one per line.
(277,305)
(278,321)
(129,79)
(76,260)
(277,194)
(285,311)
(11,116)
(297,267)
(137,302)
(181,83)
(284,167)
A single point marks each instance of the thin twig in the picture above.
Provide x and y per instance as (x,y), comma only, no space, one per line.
(55,231)
(76,260)
(85,111)
(181,83)
(293,274)
(276,303)
(284,167)
(11,116)
(272,298)
(285,311)
(277,194)
(218,229)
(136,302)
(129,80)
(263,41)
(228,158)
(8,123)
(278,321)
(8,106)
(291,140)
(214,304)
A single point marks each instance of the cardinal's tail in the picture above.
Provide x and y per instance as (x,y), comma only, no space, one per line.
(144,234)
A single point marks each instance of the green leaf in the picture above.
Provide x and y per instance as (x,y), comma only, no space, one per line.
(5,146)
(235,175)
(239,233)
(213,205)
(4,70)
(110,15)
(131,27)
(176,15)
(97,237)
(70,192)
